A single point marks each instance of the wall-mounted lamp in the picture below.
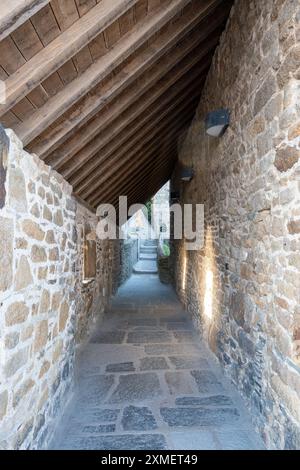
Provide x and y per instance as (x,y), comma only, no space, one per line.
(217,122)
(187,175)
(175,196)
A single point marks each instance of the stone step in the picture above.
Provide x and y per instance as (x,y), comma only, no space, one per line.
(150,243)
(152,256)
(145,267)
(148,249)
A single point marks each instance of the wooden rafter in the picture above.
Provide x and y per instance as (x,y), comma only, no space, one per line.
(98,71)
(13,13)
(176,65)
(119,160)
(63,48)
(152,121)
(99,99)
(170,129)
(102,90)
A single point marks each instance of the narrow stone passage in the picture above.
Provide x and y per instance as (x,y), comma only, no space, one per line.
(145,381)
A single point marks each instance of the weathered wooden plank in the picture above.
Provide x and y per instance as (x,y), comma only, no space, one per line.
(131,135)
(130,171)
(58,105)
(114,162)
(113,196)
(84,159)
(143,173)
(90,107)
(114,165)
(13,13)
(61,49)
(126,173)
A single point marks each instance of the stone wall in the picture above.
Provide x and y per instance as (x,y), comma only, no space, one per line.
(243,287)
(93,296)
(128,258)
(45,307)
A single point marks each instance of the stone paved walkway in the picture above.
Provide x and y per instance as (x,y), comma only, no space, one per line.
(145,381)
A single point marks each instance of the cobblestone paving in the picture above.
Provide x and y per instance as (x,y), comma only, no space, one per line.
(146,381)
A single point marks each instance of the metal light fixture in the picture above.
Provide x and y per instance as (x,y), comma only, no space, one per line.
(175,196)
(217,122)
(187,175)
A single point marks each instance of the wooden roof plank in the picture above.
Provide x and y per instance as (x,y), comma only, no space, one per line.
(53,139)
(14,13)
(61,49)
(132,113)
(80,87)
(97,72)
(127,187)
(127,176)
(147,122)
(112,165)
(122,190)
(136,156)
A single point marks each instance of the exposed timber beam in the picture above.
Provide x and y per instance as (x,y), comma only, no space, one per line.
(130,106)
(125,143)
(99,98)
(82,85)
(138,107)
(159,160)
(61,49)
(13,13)
(137,159)
(113,165)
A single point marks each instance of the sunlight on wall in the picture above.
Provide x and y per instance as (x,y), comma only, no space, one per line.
(184,272)
(208,296)
(207,281)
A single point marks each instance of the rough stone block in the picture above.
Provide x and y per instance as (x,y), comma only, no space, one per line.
(286,158)
(136,387)
(41,335)
(154,363)
(214,400)
(38,254)
(121,367)
(17,190)
(16,313)
(147,336)
(138,419)
(94,390)
(207,382)
(108,337)
(33,230)
(6,253)
(118,442)
(100,429)
(188,362)
(15,362)
(63,316)
(194,417)
(3,404)
(23,276)
(179,383)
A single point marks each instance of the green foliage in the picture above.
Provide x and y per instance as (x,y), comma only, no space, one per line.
(166,250)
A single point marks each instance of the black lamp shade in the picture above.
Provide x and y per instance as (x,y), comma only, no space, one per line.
(217,122)
(187,174)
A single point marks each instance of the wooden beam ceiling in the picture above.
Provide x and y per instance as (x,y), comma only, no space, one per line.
(102,90)
(13,13)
